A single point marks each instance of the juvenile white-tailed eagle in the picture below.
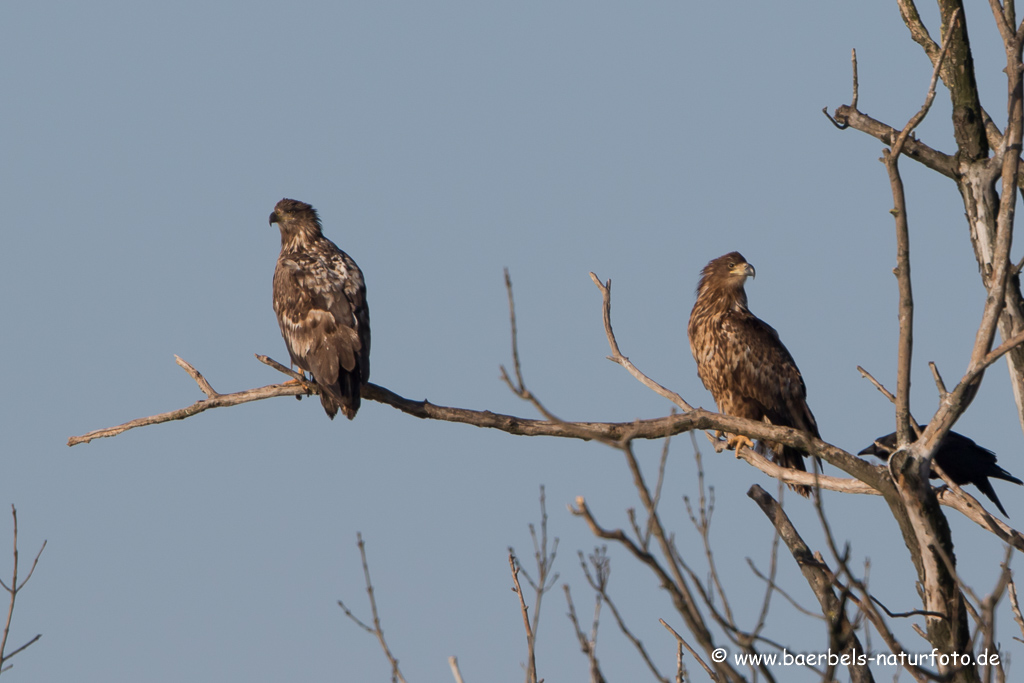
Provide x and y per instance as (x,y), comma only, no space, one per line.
(742,362)
(961,458)
(320,301)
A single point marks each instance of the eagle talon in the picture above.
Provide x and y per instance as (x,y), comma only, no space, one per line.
(738,441)
(307,384)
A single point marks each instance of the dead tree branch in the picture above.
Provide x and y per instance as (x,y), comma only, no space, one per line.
(598,580)
(531,643)
(588,642)
(906,297)
(453,662)
(871,478)
(545,561)
(818,578)
(682,643)
(376,629)
(617,357)
(13,591)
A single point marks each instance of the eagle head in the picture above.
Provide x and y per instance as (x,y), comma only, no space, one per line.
(290,208)
(727,272)
(296,219)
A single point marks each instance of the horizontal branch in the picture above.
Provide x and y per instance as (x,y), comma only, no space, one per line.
(913,148)
(212,400)
(656,428)
(789,475)
(871,477)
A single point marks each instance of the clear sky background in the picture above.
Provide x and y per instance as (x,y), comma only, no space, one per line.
(144,146)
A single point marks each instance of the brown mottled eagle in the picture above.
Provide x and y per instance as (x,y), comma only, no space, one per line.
(742,362)
(961,458)
(320,301)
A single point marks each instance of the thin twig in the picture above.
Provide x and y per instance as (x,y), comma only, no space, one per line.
(775,588)
(906,297)
(939,384)
(878,385)
(454,664)
(818,576)
(682,641)
(531,661)
(656,498)
(856,86)
(588,644)
(598,580)
(518,387)
(905,615)
(1015,606)
(701,521)
(617,357)
(376,629)
(13,591)
(545,561)
(853,100)
(771,587)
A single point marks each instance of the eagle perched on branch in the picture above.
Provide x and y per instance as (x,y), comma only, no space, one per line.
(742,362)
(959,457)
(320,302)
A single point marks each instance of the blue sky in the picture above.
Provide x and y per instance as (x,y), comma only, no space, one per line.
(144,145)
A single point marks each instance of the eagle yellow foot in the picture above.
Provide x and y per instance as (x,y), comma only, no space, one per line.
(737,441)
(304,383)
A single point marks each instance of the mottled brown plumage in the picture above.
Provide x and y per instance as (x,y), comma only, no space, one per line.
(742,362)
(320,302)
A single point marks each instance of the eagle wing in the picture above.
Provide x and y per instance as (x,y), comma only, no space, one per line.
(755,367)
(320,301)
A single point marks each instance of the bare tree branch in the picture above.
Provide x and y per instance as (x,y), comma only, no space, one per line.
(1015,605)
(671,580)
(376,629)
(599,582)
(13,591)
(937,161)
(588,643)
(454,664)
(617,357)
(682,643)
(531,661)
(818,578)
(656,428)
(545,561)
(906,298)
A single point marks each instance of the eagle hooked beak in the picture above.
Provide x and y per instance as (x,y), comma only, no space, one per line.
(273,217)
(744,269)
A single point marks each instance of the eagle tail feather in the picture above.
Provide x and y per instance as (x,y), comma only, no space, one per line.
(785,456)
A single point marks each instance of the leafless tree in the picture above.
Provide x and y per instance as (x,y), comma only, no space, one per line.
(986,170)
